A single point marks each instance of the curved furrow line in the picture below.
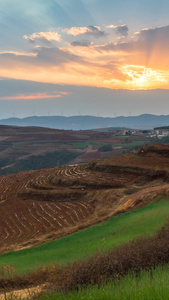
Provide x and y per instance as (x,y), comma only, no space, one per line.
(39,225)
(49,178)
(61,215)
(49,216)
(72,214)
(14,228)
(24,229)
(80,209)
(44,181)
(71,172)
(35,223)
(57,215)
(25,185)
(4,233)
(67,173)
(39,228)
(30,229)
(81,172)
(8,225)
(4,195)
(77,211)
(21,228)
(65,215)
(38,209)
(63,172)
(53,215)
(88,208)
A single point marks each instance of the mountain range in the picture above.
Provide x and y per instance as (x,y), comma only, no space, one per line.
(144,121)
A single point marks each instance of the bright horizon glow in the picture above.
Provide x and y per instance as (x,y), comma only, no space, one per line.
(77,45)
(142,77)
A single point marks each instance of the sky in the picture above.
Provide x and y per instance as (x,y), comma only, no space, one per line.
(92,57)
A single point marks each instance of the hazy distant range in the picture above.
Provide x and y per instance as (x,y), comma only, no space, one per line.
(145,121)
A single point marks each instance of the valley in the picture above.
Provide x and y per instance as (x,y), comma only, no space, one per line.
(33,148)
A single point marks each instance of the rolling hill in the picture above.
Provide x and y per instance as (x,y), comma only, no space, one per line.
(41,205)
(80,229)
(31,148)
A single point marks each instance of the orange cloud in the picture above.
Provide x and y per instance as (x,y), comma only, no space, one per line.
(17,53)
(64,93)
(34,96)
(139,62)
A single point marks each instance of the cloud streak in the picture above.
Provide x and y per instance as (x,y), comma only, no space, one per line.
(35,96)
(48,36)
(88,30)
(83,43)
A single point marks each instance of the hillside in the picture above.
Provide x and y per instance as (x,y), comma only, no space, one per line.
(32,148)
(37,206)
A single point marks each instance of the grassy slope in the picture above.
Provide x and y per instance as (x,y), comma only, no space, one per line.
(132,143)
(115,231)
(148,285)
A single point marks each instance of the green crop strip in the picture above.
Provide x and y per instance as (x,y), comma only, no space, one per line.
(103,237)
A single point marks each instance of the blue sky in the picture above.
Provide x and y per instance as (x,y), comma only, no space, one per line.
(20,17)
(53,50)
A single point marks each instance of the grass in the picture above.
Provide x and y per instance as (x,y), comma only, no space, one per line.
(124,136)
(82,145)
(150,285)
(81,245)
(130,143)
(17,145)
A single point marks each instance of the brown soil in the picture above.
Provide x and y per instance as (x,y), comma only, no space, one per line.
(21,142)
(37,206)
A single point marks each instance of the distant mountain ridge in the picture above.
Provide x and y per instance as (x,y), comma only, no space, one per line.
(90,122)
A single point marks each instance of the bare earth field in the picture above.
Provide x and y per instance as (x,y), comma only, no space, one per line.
(19,144)
(41,205)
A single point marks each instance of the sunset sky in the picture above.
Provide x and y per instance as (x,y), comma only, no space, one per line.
(80,56)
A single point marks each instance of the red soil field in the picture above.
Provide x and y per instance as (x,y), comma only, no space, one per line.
(37,206)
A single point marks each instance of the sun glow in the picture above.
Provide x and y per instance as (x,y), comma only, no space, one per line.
(142,77)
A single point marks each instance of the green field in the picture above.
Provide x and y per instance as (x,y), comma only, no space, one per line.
(102,237)
(151,285)
(82,145)
(129,144)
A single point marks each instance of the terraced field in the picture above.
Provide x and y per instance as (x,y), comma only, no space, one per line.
(22,220)
(37,206)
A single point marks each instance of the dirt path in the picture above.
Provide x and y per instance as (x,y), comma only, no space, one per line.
(128,201)
(22,294)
